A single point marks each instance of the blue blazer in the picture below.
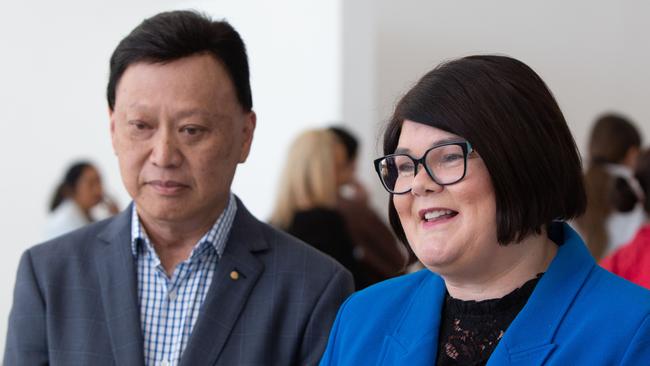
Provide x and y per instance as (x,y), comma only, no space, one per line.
(578,314)
(76,301)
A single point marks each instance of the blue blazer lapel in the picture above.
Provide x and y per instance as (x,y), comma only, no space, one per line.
(529,339)
(415,341)
(117,277)
(227,297)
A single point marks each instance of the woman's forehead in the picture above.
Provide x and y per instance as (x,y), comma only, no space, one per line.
(415,135)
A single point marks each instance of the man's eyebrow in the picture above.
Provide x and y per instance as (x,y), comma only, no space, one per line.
(199,112)
(405,150)
(183,113)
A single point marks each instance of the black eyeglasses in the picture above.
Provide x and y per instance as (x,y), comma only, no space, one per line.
(445,163)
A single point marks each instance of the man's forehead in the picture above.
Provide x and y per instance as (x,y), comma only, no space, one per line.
(139,107)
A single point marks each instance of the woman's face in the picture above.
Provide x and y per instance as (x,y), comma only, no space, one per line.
(463,236)
(88,191)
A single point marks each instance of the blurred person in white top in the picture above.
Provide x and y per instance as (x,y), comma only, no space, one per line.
(613,215)
(77,201)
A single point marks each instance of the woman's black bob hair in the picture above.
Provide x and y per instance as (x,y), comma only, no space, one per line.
(508,114)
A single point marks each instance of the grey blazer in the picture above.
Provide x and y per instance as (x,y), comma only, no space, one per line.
(75,300)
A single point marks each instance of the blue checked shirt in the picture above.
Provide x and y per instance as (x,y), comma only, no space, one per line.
(169,307)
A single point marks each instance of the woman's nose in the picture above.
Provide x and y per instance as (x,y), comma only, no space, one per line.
(422,183)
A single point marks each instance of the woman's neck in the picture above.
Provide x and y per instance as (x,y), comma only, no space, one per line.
(511,267)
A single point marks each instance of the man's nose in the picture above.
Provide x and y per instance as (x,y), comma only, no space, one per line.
(165,151)
(422,183)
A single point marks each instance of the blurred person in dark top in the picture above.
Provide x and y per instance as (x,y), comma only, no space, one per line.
(375,247)
(306,205)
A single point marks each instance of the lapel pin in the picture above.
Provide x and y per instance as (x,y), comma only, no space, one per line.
(234,275)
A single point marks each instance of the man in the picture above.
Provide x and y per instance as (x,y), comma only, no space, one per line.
(186,275)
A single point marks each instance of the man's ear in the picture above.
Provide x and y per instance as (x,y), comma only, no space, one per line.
(248,130)
(111,117)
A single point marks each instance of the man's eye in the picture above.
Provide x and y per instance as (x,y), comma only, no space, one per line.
(138,125)
(192,131)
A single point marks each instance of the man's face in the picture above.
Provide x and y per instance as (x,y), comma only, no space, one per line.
(179,132)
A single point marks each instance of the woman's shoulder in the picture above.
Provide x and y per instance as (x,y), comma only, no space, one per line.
(609,293)
(379,311)
(392,294)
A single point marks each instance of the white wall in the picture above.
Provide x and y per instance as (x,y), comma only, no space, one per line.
(592,54)
(53,74)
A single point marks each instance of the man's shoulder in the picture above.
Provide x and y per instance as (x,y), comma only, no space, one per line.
(72,245)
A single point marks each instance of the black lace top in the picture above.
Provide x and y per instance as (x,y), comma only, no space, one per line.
(471,330)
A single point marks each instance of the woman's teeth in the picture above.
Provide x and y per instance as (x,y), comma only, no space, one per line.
(432,215)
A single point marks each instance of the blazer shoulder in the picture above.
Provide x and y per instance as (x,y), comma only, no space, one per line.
(73,247)
(73,240)
(616,292)
(393,295)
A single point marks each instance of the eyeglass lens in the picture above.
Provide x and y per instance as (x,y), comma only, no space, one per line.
(445,165)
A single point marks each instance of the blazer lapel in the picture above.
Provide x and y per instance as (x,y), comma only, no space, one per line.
(415,341)
(237,272)
(529,339)
(117,278)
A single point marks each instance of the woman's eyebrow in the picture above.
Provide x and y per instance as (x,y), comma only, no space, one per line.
(405,150)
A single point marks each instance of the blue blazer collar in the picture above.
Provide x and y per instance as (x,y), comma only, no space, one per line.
(528,340)
(415,340)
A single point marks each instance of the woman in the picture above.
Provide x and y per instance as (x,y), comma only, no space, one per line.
(306,201)
(481,166)
(77,194)
(613,215)
(632,261)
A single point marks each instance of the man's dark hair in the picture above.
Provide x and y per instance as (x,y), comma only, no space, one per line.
(348,140)
(505,110)
(173,35)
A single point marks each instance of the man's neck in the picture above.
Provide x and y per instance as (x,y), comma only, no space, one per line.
(174,241)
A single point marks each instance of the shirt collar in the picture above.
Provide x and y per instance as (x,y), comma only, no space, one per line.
(215,238)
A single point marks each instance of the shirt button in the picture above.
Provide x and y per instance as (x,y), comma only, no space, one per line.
(165,363)
(172,297)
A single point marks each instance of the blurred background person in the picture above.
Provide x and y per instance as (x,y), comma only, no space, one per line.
(611,218)
(305,207)
(76,199)
(375,247)
(632,261)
